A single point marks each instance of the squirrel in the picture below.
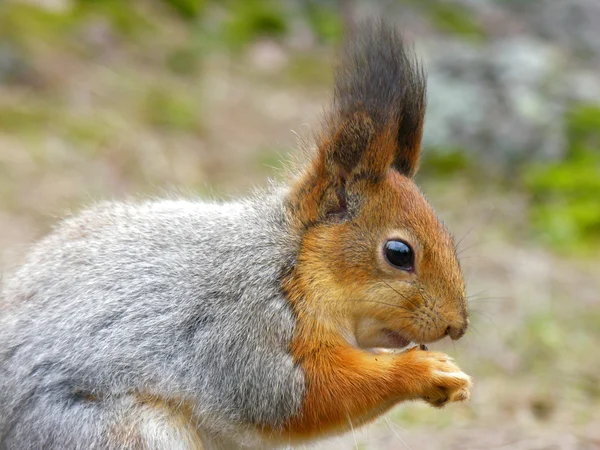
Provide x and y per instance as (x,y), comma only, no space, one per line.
(274,320)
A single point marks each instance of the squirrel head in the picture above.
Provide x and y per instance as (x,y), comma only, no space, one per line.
(374,262)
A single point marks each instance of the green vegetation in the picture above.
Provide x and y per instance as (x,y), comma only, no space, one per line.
(456,20)
(242,23)
(39,23)
(124,18)
(171,110)
(325,20)
(23,117)
(185,61)
(188,9)
(566,194)
(451,18)
(251,19)
(438,162)
(309,68)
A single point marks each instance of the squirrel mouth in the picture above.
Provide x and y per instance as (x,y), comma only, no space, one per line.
(375,337)
(395,342)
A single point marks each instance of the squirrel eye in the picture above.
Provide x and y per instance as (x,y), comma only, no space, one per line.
(400,255)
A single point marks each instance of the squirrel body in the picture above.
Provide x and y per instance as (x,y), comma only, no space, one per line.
(259,323)
(142,303)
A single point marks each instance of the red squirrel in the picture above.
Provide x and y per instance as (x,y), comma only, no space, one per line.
(274,320)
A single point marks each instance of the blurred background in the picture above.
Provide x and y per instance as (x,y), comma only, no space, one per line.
(103,99)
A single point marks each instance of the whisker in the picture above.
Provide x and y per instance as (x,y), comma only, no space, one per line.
(478,293)
(483,313)
(487,299)
(399,293)
(464,237)
(396,433)
(483,222)
(488,318)
(463,257)
(454,345)
(353,431)
(475,329)
(387,304)
(476,244)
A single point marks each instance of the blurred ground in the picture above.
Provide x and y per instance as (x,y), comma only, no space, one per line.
(102,100)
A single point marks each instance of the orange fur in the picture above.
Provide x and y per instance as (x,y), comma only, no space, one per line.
(348,387)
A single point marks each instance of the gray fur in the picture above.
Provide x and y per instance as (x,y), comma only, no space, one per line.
(174,298)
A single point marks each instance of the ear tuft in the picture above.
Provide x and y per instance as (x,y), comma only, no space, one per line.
(380,78)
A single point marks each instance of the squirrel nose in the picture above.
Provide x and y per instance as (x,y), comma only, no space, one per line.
(456,332)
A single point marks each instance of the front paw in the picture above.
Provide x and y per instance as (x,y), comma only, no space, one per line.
(443,381)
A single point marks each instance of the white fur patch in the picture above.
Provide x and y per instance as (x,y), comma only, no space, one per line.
(460,375)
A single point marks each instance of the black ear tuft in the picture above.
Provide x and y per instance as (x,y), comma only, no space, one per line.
(379,78)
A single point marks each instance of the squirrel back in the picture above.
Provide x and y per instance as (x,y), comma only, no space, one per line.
(163,300)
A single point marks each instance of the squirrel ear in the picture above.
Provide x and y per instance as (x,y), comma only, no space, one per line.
(349,156)
(358,150)
(375,124)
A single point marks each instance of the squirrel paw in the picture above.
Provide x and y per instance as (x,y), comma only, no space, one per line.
(446,382)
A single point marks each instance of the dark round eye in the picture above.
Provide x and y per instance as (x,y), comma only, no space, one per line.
(400,255)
